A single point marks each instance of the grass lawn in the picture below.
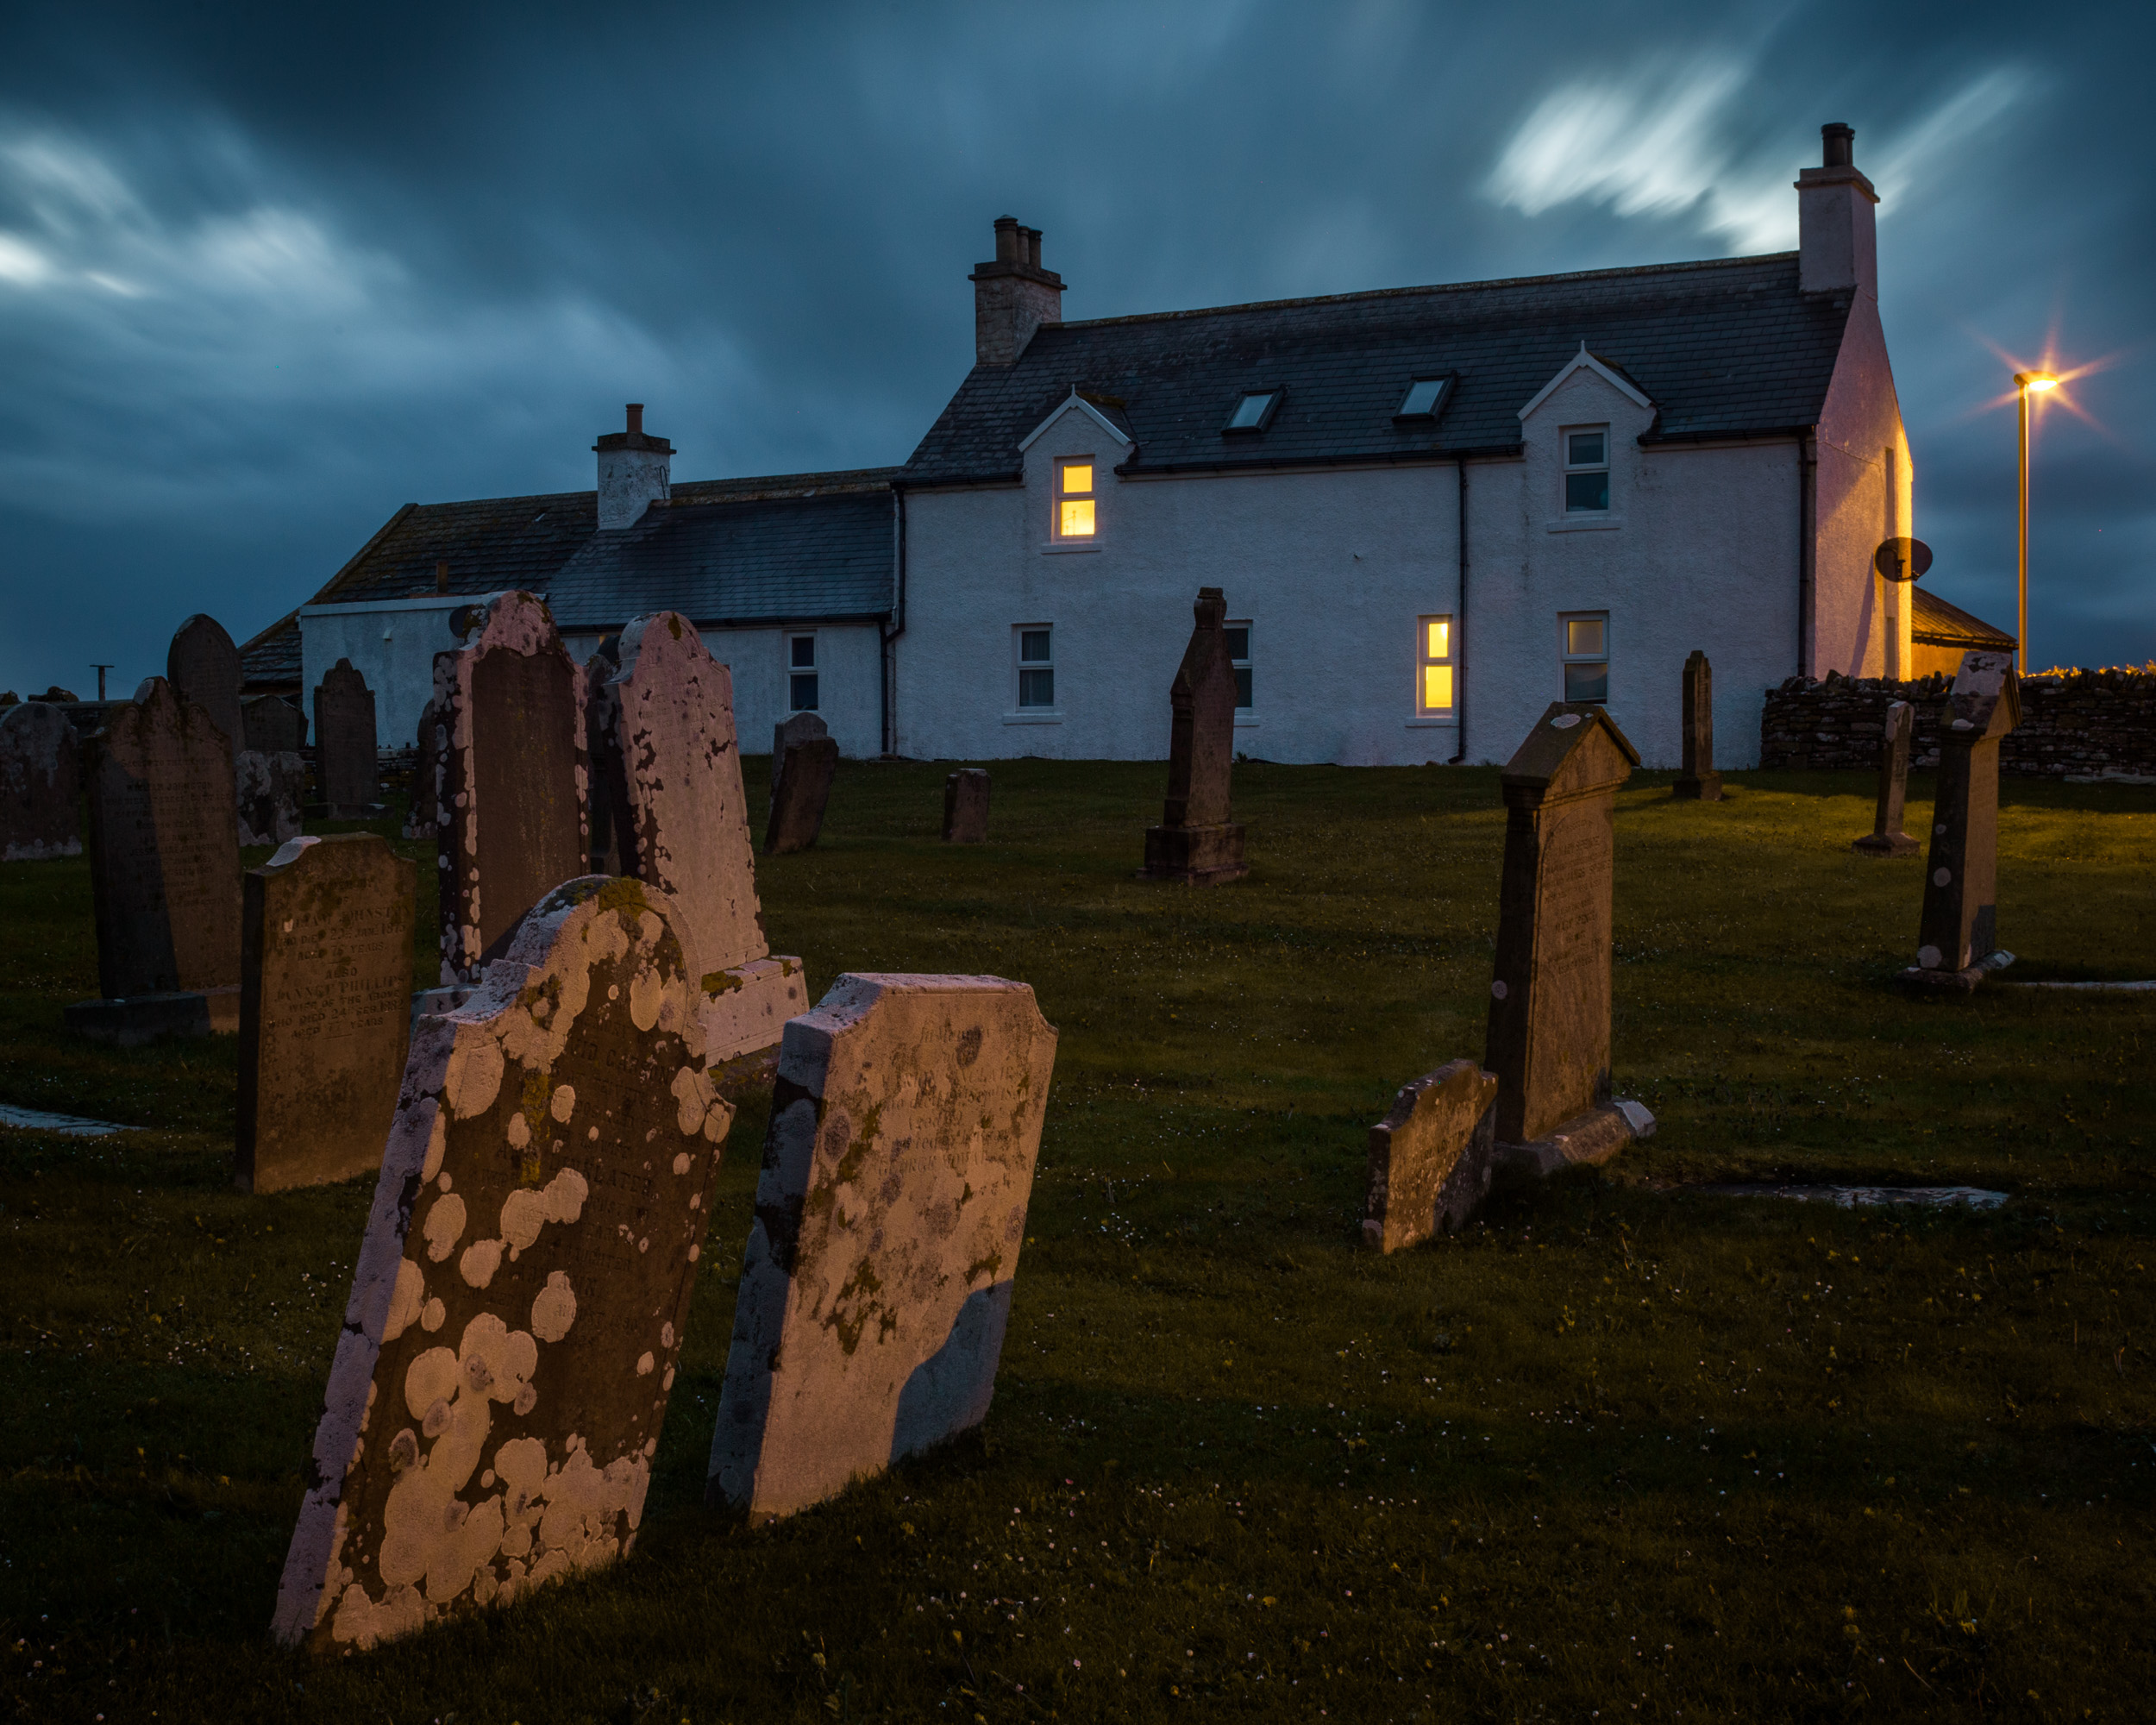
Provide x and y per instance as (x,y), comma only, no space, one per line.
(1623,1449)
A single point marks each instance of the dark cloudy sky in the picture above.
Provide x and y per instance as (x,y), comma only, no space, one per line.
(268,272)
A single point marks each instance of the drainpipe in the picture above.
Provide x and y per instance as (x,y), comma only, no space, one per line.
(1807,543)
(888,692)
(1459,657)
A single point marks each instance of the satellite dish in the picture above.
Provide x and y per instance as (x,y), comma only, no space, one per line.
(1903,560)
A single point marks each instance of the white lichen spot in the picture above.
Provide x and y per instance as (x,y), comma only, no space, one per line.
(647,992)
(437,1140)
(695,1252)
(554,1310)
(562,1103)
(519,1131)
(444,1226)
(666,1383)
(692,1097)
(592,1136)
(431,1378)
(645,1362)
(405,1300)
(475,1078)
(666,1335)
(613,991)
(431,1316)
(480,1260)
(524,1213)
(445,1182)
(565,1195)
(681,1162)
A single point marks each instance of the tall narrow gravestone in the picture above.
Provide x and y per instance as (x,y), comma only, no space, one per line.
(1960,933)
(203,665)
(1549,1009)
(877,1282)
(325,1009)
(1432,1157)
(518,1305)
(510,704)
(346,762)
(164,872)
(1886,837)
(1699,782)
(40,780)
(670,766)
(420,819)
(804,761)
(1196,842)
(966,806)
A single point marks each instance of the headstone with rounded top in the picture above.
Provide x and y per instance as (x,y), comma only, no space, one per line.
(1549,999)
(1197,842)
(522,1288)
(669,765)
(273,725)
(203,665)
(1886,837)
(41,781)
(1958,939)
(905,1123)
(347,748)
(509,706)
(966,806)
(1432,1157)
(1698,781)
(325,988)
(804,761)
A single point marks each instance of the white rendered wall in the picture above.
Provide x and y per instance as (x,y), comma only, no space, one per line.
(1860,624)
(391,644)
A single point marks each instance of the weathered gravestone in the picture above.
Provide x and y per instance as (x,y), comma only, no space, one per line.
(966,806)
(518,1304)
(804,761)
(421,820)
(1549,1009)
(164,872)
(1699,782)
(877,1282)
(346,762)
(1960,933)
(1196,842)
(1432,1157)
(325,991)
(510,705)
(600,669)
(266,793)
(271,725)
(1886,837)
(40,780)
(203,665)
(670,762)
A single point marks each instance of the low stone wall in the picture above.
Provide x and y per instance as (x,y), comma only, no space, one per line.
(2083,723)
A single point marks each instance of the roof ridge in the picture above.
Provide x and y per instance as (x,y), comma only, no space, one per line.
(1374,293)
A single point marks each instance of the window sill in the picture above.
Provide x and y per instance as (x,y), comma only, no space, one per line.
(1059,545)
(1583,522)
(1432,722)
(1247,720)
(1035,715)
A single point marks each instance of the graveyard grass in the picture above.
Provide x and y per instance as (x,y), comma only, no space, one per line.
(1623,1449)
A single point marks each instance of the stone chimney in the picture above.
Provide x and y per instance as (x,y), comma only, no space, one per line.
(1837,244)
(633,470)
(1013,295)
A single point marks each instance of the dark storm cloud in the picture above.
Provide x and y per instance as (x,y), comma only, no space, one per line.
(266,275)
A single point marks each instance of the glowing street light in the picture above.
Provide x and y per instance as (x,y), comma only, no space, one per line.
(2026,383)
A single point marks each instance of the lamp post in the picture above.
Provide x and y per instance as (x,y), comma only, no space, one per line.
(2025,383)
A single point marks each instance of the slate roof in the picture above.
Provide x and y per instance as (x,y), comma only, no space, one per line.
(494,543)
(1726,348)
(1937,624)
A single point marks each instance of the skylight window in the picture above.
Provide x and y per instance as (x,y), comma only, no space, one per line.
(1424,396)
(1255,412)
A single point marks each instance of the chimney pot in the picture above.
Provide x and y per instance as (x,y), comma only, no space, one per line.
(1032,246)
(1839,143)
(1010,249)
(635,419)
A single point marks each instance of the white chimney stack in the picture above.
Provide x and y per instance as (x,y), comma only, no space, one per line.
(1837,245)
(633,472)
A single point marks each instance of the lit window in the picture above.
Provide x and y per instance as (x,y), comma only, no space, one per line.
(1238,636)
(1074,499)
(1586,641)
(800,653)
(1587,470)
(1433,676)
(1424,396)
(1255,412)
(1036,666)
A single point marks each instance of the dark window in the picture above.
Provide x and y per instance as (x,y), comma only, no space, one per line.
(804,692)
(801,660)
(1586,658)
(1036,668)
(1238,636)
(804,653)
(1587,682)
(1424,395)
(1255,412)
(1586,472)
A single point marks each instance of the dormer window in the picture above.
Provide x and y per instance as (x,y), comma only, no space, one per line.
(1074,498)
(1586,469)
(1255,412)
(1424,398)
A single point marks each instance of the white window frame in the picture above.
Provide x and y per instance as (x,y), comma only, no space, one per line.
(1567,657)
(1055,533)
(1247,662)
(814,668)
(1565,434)
(1426,662)
(1020,665)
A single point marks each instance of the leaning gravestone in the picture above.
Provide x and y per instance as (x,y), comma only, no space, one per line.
(671,765)
(325,1010)
(804,761)
(203,665)
(164,871)
(520,1297)
(420,821)
(1196,842)
(271,725)
(966,806)
(1886,837)
(510,707)
(1960,933)
(39,781)
(1432,1157)
(266,794)
(877,1282)
(1699,782)
(347,765)
(1549,1009)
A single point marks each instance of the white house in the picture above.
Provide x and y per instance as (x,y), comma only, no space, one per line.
(1432,510)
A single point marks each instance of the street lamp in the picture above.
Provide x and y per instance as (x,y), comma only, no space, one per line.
(2027,383)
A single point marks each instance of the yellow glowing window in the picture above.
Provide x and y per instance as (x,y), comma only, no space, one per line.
(1433,681)
(1074,500)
